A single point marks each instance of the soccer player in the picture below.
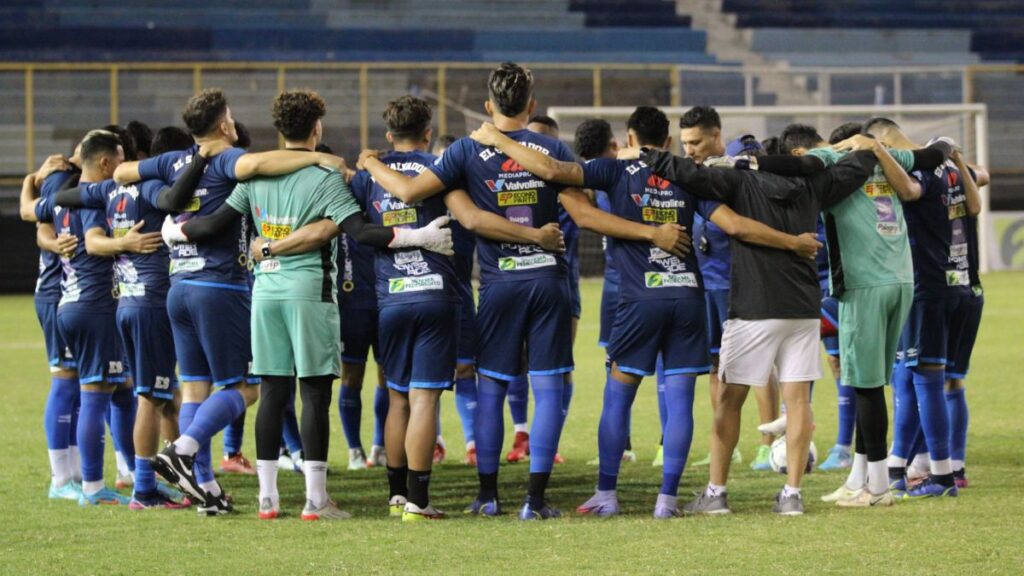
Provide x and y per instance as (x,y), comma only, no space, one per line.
(872,281)
(524,295)
(661,303)
(774,303)
(142,136)
(210,279)
(134,215)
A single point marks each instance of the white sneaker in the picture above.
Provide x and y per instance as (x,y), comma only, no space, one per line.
(377,457)
(865,499)
(356,459)
(841,493)
(285,462)
(776,427)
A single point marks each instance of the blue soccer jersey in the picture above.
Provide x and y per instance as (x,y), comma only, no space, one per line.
(498,184)
(611,274)
(973,256)
(48,283)
(648,272)
(411,274)
(142,279)
(357,277)
(571,233)
(224,258)
(712,253)
(822,258)
(938,229)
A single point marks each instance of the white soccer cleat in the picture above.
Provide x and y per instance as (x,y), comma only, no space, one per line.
(356,459)
(378,457)
(841,493)
(775,427)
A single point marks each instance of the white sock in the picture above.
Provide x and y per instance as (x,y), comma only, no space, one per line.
(92,487)
(472,444)
(942,467)
(122,465)
(788,491)
(186,445)
(897,462)
(667,501)
(316,482)
(715,489)
(60,467)
(878,477)
(440,441)
(921,461)
(958,465)
(858,472)
(520,427)
(267,472)
(212,487)
(75,462)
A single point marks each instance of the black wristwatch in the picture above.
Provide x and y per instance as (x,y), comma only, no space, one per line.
(265,249)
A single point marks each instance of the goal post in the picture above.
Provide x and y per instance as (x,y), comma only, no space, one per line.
(967,124)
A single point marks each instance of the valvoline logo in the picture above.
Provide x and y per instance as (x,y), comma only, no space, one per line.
(388,204)
(657,182)
(495,185)
(641,200)
(511,165)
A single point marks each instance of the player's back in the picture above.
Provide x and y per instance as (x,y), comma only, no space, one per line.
(85,278)
(142,279)
(48,283)
(711,245)
(938,228)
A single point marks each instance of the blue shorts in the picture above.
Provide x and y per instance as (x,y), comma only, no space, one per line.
(466,351)
(958,365)
(609,303)
(933,329)
(57,352)
(91,335)
(830,310)
(675,328)
(358,334)
(418,343)
(211,333)
(574,295)
(717,302)
(149,350)
(533,312)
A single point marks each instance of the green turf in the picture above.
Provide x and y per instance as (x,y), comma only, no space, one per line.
(980,532)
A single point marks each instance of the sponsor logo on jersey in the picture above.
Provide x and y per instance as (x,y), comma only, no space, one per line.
(670,280)
(660,215)
(415,284)
(655,181)
(399,217)
(274,231)
(510,263)
(520,198)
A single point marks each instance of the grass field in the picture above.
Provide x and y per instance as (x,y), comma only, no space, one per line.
(980,532)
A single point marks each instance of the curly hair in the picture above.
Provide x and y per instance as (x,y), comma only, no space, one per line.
(204,111)
(408,117)
(296,112)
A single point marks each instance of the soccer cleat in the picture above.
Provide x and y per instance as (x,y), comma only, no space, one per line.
(124,482)
(792,505)
(841,493)
(932,489)
(628,456)
(378,457)
(737,458)
(559,459)
(865,499)
(396,505)
(839,457)
(898,485)
(917,475)
(413,513)
(178,470)
(520,448)
(666,508)
(268,509)
(440,453)
(236,464)
(603,503)
(960,478)
(289,463)
(776,427)
(545,512)
(104,496)
(705,504)
(71,490)
(470,456)
(169,492)
(357,459)
(328,511)
(153,500)
(212,505)
(763,460)
(485,508)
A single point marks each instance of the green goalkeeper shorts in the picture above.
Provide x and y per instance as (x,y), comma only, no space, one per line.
(870,323)
(295,338)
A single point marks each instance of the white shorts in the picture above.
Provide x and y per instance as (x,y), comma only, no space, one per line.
(751,349)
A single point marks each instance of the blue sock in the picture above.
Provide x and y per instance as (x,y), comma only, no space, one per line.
(956,406)
(350,406)
(489,425)
(547,421)
(145,479)
(186,415)
(60,404)
(290,431)
(931,400)
(91,433)
(905,417)
(122,423)
(73,433)
(679,391)
(919,446)
(613,430)
(380,414)
(519,398)
(847,413)
(219,410)
(660,379)
(233,436)
(567,392)
(465,404)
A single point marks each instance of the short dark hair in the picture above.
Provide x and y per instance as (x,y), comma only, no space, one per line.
(649,124)
(545,120)
(127,142)
(592,139)
(142,136)
(170,138)
(296,112)
(204,111)
(244,138)
(510,88)
(446,140)
(705,117)
(321,147)
(408,117)
(99,143)
(771,145)
(844,131)
(799,136)
(879,121)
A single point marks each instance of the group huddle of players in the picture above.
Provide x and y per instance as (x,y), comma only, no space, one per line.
(182,279)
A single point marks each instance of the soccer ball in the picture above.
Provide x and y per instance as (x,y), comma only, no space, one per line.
(778,456)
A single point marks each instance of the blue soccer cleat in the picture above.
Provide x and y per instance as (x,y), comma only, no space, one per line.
(545,512)
(838,458)
(106,496)
(932,489)
(603,503)
(169,493)
(71,490)
(486,508)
